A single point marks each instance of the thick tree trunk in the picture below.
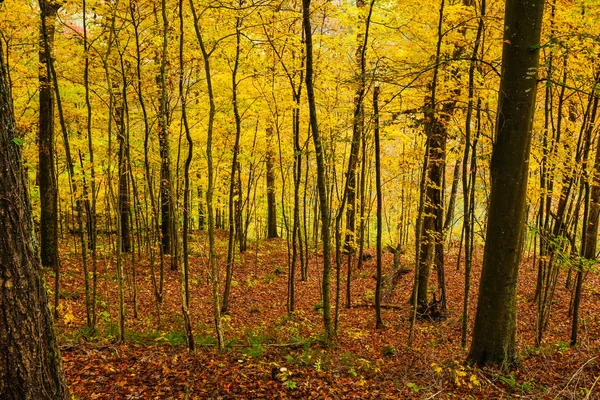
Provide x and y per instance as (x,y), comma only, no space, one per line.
(495,322)
(29,369)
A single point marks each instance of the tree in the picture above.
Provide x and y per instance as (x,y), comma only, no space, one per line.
(321,178)
(495,322)
(271,202)
(46,171)
(29,369)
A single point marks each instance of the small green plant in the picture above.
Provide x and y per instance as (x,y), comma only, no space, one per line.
(285,376)
(290,384)
(511,382)
(267,279)
(205,340)
(369,296)
(318,306)
(255,351)
(318,364)
(111,330)
(415,388)
(176,338)
(347,358)
(562,347)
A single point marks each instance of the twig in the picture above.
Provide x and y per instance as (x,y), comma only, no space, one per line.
(587,396)
(575,374)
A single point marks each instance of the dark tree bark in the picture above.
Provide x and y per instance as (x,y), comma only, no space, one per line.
(495,322)
(431,244)
(201,216)
(166,186)
(590,228)
(271,202)
(378,320)
(234,164)
(124,201)
(321,179)
(469,177)
(46,171)
(29,369)
(185,281)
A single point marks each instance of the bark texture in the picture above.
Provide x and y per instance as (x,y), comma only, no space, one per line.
(30,364)
(46,170)
(495,322)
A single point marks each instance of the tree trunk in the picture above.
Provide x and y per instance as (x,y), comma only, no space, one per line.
(432,235)
(124,202)
(378,320)
(271,202)
(232,178)
(590,229)
(321,179)
(495,322)
(46,172)
(29,369)
(185,286)
(212,258)
(166,186)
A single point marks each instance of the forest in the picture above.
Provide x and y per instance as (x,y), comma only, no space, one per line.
(328,199)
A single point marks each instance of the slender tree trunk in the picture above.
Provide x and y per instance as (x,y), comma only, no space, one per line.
(123,167)
(271,201)
(91,213)
(156,284)
(234,165)
(468,186)
(321,179)
(185,290)
(212,259)
(166,184)
(590,229)
(378,320)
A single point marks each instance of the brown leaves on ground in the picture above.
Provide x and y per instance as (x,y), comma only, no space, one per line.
(270,355)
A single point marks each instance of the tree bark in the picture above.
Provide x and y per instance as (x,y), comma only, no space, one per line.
(321,179)
(166,186)
(29,369)
(495,322)
(46,171)
(271,202)
(378,320)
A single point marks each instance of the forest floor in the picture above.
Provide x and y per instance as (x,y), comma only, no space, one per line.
(271,355)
